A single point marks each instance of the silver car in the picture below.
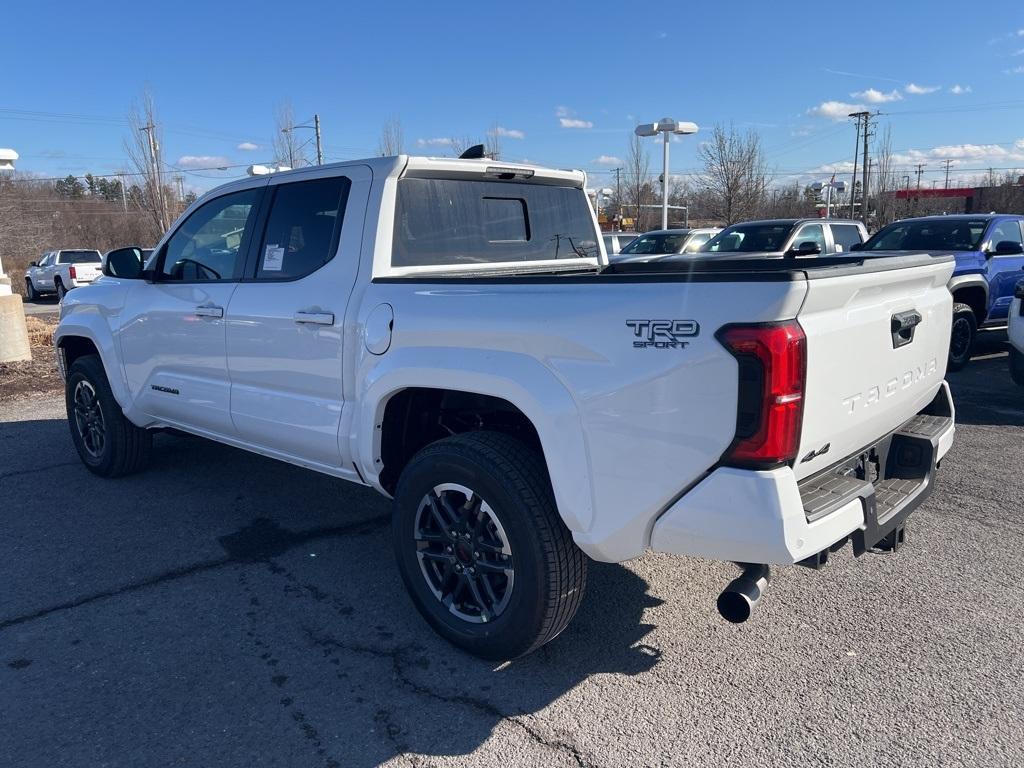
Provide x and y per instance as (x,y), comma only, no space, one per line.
(662,243)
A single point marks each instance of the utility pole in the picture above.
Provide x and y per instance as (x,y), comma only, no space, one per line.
(948,162)
(154,150)
(618,194)
(124,196)
(864,183)
(319,148)
(856,148)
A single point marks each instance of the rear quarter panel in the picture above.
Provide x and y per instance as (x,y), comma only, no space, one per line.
(625,429)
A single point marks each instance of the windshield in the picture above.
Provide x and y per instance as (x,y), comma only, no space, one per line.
(929,235)
(749,238)
(80,257)
(656,243)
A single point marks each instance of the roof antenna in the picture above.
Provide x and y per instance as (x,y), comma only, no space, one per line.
(476,152)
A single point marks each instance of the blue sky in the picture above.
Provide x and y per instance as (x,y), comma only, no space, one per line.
(566,81)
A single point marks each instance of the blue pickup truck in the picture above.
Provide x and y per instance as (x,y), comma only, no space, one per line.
(989,251)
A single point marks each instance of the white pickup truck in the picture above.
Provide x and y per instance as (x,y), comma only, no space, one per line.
(60,271)
(450,333)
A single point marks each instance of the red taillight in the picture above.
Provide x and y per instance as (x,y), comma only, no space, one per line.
(772,364)
(71,272)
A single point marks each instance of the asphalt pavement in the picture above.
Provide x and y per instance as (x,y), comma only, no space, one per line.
(223,609)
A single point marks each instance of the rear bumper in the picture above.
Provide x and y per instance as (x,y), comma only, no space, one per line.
(769,517)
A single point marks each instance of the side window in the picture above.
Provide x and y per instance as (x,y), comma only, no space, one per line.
(810,233)
(846,236)
(303,228)
(1008,229)
(208,246)
(694,243)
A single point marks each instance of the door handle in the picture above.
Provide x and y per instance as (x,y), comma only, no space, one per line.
(209,311)
(314,318)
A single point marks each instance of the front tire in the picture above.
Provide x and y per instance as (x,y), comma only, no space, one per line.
(481,547)
(961,341)
(31,294)
(108,444)
(1017,366)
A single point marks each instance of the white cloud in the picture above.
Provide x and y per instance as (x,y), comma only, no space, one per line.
(1015,71)
(508,133)
(874,96)
(202,161)
(438,142)
(1018,53)
(919,90)
(567,119)
(835,110)
(960,89)
(248,146)
(974,154)
(607,160)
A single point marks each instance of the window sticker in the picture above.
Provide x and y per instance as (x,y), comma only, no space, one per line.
(273,258)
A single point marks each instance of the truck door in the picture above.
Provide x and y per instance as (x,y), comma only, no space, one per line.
(1004,271)
(172,337)
(286,321)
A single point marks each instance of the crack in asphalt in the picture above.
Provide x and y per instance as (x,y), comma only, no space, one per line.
(399,662)
(19,472)
(255,543)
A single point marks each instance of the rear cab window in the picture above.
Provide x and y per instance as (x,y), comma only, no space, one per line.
(467,223)
(845,236)
(79,257)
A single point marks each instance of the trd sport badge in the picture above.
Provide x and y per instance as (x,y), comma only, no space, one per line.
(663,334)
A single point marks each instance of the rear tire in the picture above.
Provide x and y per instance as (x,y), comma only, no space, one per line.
(1017,366)
(476,508)
(61,290)
(31,294)
(961,341)
(108,444)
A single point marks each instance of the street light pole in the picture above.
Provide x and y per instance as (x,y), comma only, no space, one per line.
(666,126)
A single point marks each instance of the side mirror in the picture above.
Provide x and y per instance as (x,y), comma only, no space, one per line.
(1008,248)
(33,263)
(806,248)
(857,247)
(1018,292)
(125,263)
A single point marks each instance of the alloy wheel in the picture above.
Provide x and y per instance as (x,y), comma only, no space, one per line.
(464,553)
(89,419)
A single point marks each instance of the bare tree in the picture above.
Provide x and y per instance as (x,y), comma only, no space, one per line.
(735,173)
(392,138)
(144,149)
(289,147)
(636,182)
(492,147)
(460,144)
(886,180)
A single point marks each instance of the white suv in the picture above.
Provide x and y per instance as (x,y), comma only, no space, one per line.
(1015,333)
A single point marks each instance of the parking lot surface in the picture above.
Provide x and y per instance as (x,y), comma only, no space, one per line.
(223,609)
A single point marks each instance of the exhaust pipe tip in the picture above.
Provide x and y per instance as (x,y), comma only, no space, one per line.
(741,596)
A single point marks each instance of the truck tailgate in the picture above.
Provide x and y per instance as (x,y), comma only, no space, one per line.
(877,342)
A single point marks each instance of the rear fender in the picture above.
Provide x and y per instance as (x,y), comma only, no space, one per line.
(517,378)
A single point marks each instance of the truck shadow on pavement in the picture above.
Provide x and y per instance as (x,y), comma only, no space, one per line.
(300,600)
(983,391)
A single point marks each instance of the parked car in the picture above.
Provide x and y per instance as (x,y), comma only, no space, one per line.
(788,237)
(447,332)
(60,271)
(1015,333)
(616,241)
(661,243)
(989,251)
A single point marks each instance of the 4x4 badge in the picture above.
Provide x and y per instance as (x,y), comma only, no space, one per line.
(663,334)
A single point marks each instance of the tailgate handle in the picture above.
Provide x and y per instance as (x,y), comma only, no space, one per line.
(903,326)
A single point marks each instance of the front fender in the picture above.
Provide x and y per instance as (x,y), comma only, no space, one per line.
(517,378)
(88,321)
